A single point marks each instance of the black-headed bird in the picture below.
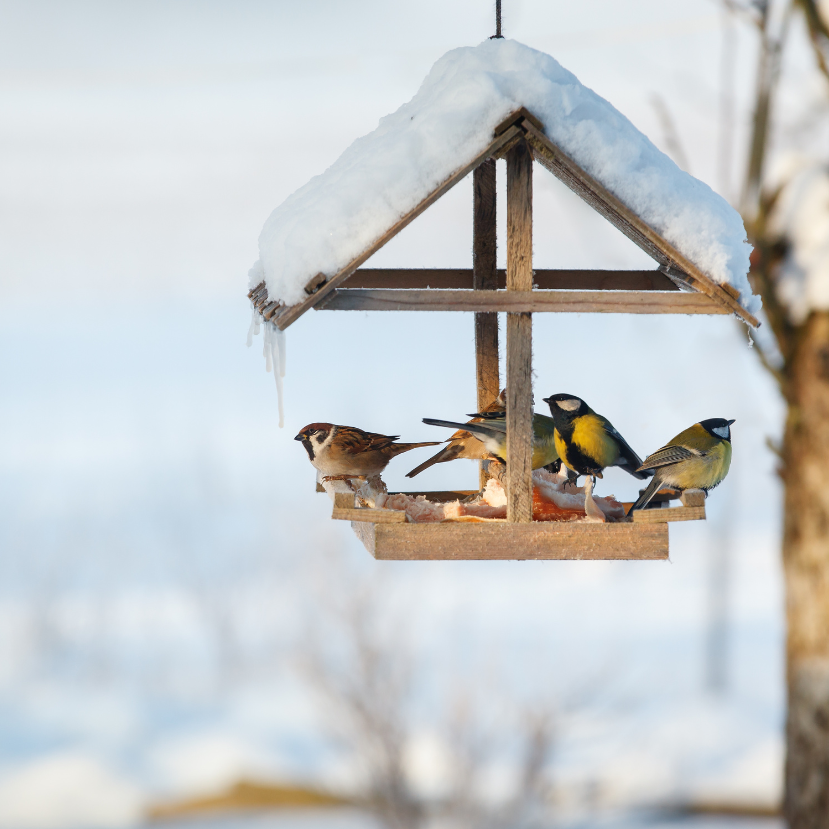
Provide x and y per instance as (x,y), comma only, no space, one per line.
(588,443)
(698,458)
(492,432)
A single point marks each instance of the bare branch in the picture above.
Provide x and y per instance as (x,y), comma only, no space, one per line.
(818,33)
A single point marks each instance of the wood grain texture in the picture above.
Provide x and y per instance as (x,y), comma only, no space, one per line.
(692,498)
(576,302)
(514,542)
(543,278)
(622,217)
(289,314)
(667,515)
(372,516)
(485,278)
(440,496)
(519,335)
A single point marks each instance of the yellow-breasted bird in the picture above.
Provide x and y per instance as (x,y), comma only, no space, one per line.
(697,458)
(492,432)
(588,443)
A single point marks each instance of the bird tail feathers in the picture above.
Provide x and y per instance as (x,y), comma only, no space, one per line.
(645,498)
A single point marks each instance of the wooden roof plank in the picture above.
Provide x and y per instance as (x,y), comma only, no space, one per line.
(550,156)
(290,313)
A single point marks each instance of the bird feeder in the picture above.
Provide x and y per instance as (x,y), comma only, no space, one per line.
(677,285)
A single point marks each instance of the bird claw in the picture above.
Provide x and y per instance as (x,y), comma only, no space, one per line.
(346,478)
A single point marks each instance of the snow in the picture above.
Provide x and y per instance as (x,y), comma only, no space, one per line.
(337,215)
(801,217)
(68,790)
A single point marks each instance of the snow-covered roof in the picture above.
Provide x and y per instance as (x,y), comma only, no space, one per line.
(801,219)
(338,215)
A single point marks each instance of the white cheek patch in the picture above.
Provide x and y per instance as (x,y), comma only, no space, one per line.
(722,431)
(568,405)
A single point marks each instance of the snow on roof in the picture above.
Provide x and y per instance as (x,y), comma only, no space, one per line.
(801,218)
(337,215)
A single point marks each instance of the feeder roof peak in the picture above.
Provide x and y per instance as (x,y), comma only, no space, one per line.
(333,220)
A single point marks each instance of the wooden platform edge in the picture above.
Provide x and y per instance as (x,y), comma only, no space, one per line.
(503,541)
(667,515)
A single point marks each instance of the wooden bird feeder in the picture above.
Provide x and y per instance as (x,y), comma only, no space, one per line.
(676,286)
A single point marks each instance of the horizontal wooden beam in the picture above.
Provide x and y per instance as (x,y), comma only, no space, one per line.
(501,540)
(546,279)
(579,302)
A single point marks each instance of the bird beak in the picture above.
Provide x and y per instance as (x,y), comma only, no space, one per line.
(545,400)
(732,421)
(300,436)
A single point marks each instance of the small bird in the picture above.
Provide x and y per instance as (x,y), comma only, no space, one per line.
(463,444)
(492,432)
(697,458)
(343,452)
(588,443)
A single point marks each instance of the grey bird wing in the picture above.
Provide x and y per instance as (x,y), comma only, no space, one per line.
(492,429)
(666,456)
(628,459)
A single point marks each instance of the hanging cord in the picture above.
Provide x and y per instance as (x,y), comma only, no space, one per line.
(497,35)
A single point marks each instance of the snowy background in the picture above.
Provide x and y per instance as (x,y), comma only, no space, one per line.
(161,543)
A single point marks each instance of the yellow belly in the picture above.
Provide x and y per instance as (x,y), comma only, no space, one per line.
(703,472)
(591,437)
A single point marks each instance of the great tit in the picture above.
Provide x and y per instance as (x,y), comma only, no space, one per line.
(493,434)
(588,443)
(697,458)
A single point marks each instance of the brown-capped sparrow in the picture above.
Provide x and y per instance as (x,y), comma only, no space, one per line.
(463,444)
(343,452)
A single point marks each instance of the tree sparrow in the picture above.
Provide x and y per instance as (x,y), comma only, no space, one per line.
(342,452)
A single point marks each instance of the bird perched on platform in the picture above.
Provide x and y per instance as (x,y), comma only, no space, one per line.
(698,458)
(492,433)
(343,452)
(587,442)
(463,444)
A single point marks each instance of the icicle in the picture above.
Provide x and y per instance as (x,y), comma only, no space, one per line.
(273,350)
(267,350)
(254,325)
(280,343)
(277,360)
(750,340)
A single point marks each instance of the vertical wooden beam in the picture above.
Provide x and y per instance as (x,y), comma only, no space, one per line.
(485,278)
(519,334)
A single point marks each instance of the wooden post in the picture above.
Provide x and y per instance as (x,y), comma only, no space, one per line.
(485,278)
(519,334)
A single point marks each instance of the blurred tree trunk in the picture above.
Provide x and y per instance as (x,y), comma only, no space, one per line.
(802,372)
(806,566)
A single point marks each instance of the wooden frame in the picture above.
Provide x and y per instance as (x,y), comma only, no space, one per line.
(387,535)
(678,286)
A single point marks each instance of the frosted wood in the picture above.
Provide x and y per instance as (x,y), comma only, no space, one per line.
(616,212)
(514,542)
(286,315)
